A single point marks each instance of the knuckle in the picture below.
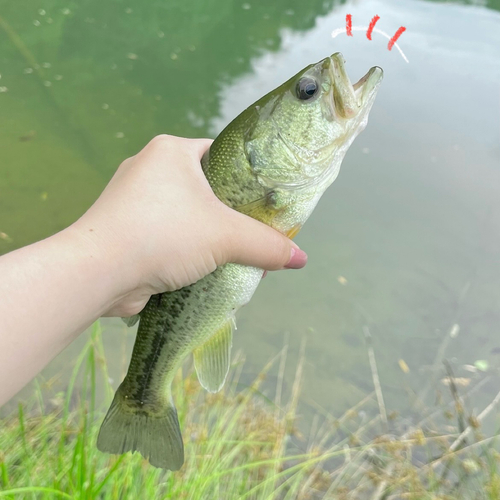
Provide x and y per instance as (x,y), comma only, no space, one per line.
(226,246)
(221,212)
(280,251)
(161,142)
(193,148)
(123,165)
(162,139)
(203,144)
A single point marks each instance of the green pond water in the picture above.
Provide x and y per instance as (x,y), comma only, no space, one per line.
(405,243)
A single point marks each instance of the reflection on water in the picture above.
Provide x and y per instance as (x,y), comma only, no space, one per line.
(406,240)
(89,83)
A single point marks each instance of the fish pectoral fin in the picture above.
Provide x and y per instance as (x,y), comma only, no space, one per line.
(294,231)
(212,359)
(263,209)
(132,320)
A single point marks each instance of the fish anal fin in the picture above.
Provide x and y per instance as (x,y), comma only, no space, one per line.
(212,359)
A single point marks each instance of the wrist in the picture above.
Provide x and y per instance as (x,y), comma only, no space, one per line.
(102,260)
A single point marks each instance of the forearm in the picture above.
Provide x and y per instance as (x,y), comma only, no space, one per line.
(156,227)
(50,292)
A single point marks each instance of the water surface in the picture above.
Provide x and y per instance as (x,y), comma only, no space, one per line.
(405,243)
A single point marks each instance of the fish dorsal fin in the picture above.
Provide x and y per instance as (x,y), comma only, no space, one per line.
(212,359)
(132,320)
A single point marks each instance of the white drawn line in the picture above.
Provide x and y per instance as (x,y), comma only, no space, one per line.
(339,31)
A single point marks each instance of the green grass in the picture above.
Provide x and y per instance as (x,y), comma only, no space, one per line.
(242,445)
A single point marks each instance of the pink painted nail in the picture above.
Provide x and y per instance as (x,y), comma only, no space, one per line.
(298,259)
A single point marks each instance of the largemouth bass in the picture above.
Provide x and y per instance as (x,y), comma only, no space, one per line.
(273,162)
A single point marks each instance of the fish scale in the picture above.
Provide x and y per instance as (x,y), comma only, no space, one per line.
(273,163)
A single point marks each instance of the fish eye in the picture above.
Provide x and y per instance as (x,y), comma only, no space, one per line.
(306,88)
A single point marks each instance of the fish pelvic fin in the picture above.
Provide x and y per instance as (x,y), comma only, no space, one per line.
(156,436)
(212,359)
(131,320)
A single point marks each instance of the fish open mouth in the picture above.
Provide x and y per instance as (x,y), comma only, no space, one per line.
(350,99)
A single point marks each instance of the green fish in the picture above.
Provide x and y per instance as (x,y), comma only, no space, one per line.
(273,162)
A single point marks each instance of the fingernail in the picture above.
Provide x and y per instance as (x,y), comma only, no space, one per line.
(264,275)
(298,259)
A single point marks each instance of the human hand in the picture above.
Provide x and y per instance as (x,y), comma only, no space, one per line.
(160,222)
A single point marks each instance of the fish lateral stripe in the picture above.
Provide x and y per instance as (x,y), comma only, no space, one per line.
(149,361)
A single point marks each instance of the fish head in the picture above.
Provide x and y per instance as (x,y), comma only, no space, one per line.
(305,126)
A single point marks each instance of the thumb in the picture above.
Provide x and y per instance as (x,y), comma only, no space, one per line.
(253,243)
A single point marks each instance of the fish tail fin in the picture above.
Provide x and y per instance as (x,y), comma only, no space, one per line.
(157,437)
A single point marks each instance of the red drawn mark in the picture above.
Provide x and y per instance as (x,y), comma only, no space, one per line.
(348,24)
(349,28)
(393,40)
(372,25)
